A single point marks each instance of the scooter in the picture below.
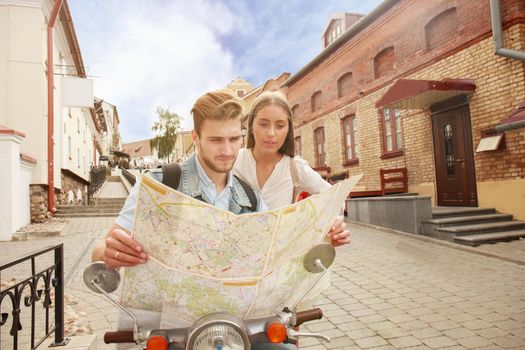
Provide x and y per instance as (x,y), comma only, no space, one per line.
(217,331)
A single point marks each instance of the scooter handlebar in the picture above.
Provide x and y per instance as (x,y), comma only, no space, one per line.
(119,337)
(308,315)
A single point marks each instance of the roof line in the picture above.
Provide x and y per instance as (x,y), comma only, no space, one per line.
(343,39)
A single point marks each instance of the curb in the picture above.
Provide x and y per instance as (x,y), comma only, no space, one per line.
(438,242)
(26,236)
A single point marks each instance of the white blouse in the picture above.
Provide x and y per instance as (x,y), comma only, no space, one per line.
(278,188)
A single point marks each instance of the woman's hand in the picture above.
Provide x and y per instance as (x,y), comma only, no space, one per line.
(122,250)
(338,233)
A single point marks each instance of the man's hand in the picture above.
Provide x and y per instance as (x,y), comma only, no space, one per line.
(338,234)
(119,249)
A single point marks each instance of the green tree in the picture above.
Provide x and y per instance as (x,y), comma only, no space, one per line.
(165,129)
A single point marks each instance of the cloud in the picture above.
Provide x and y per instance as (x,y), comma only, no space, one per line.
(169,52)
(163,54)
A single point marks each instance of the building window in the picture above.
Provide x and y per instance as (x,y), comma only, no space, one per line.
(295,113)
(78,158)
(441,30)
(350,143)
(69,147)
(334,32)
(320,153)
(298,146)
(344,85)
(240,93)
(316,100)
(78,125)
(392,132)
(384,62)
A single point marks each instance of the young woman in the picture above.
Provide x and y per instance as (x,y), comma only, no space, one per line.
(269,163)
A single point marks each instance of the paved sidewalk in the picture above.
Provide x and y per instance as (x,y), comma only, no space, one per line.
(389,291)
(112,189)
(84,309)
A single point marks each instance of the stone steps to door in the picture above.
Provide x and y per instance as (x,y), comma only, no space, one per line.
(468,219)
(447,212)
(474,240)
(481,228)
(472,226)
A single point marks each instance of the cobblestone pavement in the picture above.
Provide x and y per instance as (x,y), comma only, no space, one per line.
(389,291)
(394,292)
(85,312)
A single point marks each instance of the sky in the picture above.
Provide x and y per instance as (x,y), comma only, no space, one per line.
(147,53)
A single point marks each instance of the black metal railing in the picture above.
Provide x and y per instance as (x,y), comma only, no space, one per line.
(27,292)
(129,176)
(98,177)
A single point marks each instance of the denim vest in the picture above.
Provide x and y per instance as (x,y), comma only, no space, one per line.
(189,184)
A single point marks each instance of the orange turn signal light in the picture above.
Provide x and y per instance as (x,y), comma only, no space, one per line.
(276,332)
(157,342)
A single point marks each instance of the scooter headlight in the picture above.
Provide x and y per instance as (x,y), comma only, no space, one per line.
(218,331)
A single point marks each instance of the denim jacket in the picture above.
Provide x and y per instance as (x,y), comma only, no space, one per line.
(190,185)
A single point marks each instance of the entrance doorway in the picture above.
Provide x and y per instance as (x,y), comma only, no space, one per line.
(454,158)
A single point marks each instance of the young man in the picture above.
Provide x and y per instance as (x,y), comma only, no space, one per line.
(217,136)
(207,176)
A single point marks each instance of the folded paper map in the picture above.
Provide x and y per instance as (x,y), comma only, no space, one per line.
(203,259)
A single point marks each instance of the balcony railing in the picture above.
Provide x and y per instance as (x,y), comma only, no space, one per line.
(129,176)
(27,293)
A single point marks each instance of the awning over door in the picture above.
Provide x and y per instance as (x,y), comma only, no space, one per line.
(515,120)
(421,94)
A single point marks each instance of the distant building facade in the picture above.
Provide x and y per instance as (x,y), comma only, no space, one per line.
(143,156)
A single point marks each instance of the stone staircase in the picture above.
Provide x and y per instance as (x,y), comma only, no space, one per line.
(472,226)
(98,207)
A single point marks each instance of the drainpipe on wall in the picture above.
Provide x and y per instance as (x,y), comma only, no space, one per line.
(50,108)
(498,36)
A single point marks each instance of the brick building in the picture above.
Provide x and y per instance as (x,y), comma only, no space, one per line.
(417,85)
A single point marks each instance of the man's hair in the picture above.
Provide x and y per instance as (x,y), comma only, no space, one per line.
(216,105)
(274,98)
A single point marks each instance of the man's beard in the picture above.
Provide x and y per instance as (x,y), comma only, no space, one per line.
(211,165)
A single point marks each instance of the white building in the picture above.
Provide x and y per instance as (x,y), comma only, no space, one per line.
(107,115)
(24,100)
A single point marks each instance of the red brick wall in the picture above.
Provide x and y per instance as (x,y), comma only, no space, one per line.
(468,54)
(404,28)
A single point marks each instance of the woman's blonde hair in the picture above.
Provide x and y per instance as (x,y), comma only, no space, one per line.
(272,98)
(216,105)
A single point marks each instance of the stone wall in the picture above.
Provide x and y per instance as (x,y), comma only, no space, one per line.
(69,182)
(38,193)
(39,212)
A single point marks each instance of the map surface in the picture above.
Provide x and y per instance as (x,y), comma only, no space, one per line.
(203,259)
